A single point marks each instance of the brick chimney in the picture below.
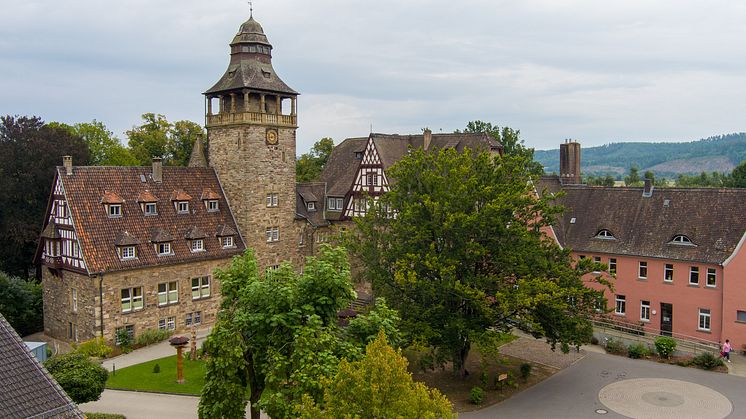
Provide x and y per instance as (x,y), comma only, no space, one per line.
(67,161)
(428,138)
(157,169)
(570,163)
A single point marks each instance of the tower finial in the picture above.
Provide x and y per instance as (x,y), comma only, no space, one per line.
(251,9)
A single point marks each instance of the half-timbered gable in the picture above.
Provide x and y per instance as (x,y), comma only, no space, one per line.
(59,245)
(370,181)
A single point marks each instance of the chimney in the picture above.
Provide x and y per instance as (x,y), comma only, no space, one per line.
(647,191)
(157,169)
(67,161)
(428,137)
(570,163)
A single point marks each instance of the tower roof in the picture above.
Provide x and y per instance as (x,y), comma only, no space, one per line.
(251,64)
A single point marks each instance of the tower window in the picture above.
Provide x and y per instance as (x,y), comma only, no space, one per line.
(273,234)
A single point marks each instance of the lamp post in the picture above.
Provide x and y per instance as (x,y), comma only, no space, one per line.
(179,342)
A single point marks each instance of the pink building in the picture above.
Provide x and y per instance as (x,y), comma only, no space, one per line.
(677,253)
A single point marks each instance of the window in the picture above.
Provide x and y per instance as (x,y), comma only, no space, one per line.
(150,208)
(171,323)
(711,277)
(694,275)
(115,210)
(681,240)
(580,257)
(335,204)
(312,206)
(162,324)
(321,237)
(227,242)
(612,265)
(645,311)
(72,331)
(372,179)
(212,205)
(193,318)
(273,234)
(74,299)
(359,155)
(643,270)
(182,207)
(704,319)
(272,199)
(198,245)
(127,252)
(605,234)
(668,272)
(200,287)
(168,293)
(130,329)
(271,270)
(164,249)
(741,316)
(621,305)
(131,299)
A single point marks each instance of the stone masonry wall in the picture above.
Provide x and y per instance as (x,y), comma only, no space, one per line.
(58,305)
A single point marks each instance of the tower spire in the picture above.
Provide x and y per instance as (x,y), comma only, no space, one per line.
(251,9)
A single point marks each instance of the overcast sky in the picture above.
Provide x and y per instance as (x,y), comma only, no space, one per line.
(596,71)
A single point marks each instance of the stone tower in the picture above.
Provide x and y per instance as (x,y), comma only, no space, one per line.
(251,123)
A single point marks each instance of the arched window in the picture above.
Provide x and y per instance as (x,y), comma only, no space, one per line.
(682,240)
(605,234)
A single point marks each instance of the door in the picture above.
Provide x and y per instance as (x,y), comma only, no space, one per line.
(666,319)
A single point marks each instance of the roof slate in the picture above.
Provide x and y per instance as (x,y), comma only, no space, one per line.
(28,390)
(309,192)
(711,218)
(340,169)
(98,233)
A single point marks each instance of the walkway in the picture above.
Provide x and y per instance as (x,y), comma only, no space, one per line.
(149,353)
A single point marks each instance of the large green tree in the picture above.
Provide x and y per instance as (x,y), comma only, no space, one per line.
(150,139)
(21,304)
(510,140)
(82,379)
(29,153)
(276,335)
(181,139)
(457,247)
(309,166)
(104,147)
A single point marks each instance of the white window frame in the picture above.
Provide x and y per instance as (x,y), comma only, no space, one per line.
(134,302)
(114,210)
(212,205)
(130,328)
(200,287)
(642,265)
(693,270)
(164,249)
(227,242)
(682,240)
(182,207)
(711,274)
(620,306)
(197,245)
(169,294)
(273,200)
(596,259)
(644,311)
(705,320)
(74,299)
(605,234)
(150,208)
(612,265)
(272,234)
(127,253)
(668,267)
(171,323)
(161,324)
(312,206)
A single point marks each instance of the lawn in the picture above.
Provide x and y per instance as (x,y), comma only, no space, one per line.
(141,377)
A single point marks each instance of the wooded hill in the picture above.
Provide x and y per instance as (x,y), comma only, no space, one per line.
(720,153)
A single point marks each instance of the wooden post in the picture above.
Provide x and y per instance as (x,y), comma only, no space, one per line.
(179,366)
(193,345)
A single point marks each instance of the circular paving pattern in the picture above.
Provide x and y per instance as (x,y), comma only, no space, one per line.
(662,398)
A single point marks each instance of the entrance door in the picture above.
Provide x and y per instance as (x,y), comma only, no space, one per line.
(666,319)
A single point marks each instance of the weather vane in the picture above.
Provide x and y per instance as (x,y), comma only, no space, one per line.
(251,9)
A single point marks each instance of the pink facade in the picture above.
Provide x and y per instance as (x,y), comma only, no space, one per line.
(734,298)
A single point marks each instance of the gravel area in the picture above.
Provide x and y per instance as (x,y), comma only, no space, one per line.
(537,350)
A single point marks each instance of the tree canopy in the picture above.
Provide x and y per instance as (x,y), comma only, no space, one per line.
(511,142)
(82,379)
(464,253)
(21,304)
(29,153)
(156,137)
(105,148)
(309,166)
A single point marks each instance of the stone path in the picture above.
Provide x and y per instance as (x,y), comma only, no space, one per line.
(149,353)
(538,351)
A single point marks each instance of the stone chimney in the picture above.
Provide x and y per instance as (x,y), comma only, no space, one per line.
(157,169)
(67,161)
(647,190)
(570,163)
(428,138)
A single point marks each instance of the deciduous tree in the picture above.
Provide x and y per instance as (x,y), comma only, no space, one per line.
(21,304)
(150,139)
(511,142)
(456,246)
(309,166)
(82,379)
(105,148)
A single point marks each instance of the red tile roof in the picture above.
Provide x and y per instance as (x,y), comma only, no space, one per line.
(146,196)
(99,234)
(111,198)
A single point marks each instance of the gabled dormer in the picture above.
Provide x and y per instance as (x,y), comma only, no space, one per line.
(127,246)
(211,200)
(148,203)
(113,204)
(181,200)
(162,242)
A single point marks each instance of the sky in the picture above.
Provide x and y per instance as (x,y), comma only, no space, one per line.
(597,71)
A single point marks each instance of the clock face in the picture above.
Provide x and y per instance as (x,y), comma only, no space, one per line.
(271,137)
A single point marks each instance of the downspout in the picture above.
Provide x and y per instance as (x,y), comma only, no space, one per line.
(101,301)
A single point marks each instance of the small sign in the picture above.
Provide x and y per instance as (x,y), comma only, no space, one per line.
(502,377)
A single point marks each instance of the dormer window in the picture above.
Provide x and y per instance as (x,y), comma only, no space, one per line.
(114,210)
(163,249)
(182,207)
(682,240)
(227,242)
(181,201)
(198,245)
(212,205)
(312,206)
(127,252)
(358,155)
(150,208)
(605,234)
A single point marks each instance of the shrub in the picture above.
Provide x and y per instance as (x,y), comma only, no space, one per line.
(665,346)
(124,339)
(638,350)
(156,369)
(151,336)
(707,361)
(615,347)
(484,378)
(95,347)
(21,304)
(525,370)
(81,379)
(476,395)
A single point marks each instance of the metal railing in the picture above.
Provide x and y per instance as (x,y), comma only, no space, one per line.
(644,332)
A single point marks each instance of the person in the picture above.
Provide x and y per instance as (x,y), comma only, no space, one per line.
(726,350)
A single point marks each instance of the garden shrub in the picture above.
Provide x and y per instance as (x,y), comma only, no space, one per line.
(484,378)
(707,361)
(82,379)
(638,350)
(156,369)
(525,370)
(616,347)
(476,395)
(95,347)
(151,336)
(665,346)
(124,339)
